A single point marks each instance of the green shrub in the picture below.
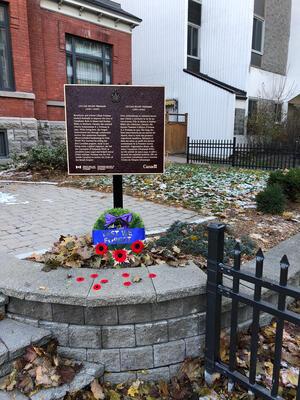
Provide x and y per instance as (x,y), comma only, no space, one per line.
(44,157)
(271,200)
(136,222)
(289,181)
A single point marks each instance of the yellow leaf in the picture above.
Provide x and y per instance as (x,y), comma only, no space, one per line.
(132,391)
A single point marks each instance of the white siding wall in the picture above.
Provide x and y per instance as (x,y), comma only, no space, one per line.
(159,56)
(294,50)
(226,37)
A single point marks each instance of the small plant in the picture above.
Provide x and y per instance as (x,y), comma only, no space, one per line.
(289,181)
(44,157)
(271,200)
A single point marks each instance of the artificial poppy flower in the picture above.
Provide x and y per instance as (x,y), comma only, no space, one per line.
(104,281)
(126,275)
(151,276)
(80,279)
(94,276)
(127,283)
(101,249)
(120,255)
(97,286)
(137,246)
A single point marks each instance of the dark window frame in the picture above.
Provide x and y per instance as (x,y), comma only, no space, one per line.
(101,60)
(262,43)
(252,108)
(6,26)
(5,152)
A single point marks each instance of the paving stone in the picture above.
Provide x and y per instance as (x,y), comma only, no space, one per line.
(59,331)
(23,320)
(12,395)
(101,316)
(73,354)
(85,337)
(87,374)
(119,377)
(154,375)
(118,336)
(152,333)
(109,358)
(183,327)
(135,313)
(3,300)
(169,353)
(17,336)
(3,353)
(31,309)
(68,314)
(138,358)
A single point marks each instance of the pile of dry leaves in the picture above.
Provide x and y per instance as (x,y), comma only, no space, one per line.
(79,252)
(40,368)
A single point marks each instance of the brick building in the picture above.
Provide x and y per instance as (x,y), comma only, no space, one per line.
(47,43)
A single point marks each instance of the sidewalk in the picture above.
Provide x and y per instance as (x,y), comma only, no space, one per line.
(33,216)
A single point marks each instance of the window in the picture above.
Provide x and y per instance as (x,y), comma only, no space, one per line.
(88,62)
(6,70)
(252,108)
(258,35)
(193,40)
(3,144)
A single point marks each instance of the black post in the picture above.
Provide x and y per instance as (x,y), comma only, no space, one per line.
(118,191)
(233,151)
(214,298)
(188,150)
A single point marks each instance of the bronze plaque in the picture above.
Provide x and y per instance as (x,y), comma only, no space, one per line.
(115,129)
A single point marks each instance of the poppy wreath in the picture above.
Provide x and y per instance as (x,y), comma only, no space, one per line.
(119,219)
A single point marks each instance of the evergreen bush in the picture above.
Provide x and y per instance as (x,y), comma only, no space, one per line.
(289,181)
(271,200)
(44,157)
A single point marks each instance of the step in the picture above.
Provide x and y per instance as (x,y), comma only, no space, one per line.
(15,337)
(85,377)
(3,302)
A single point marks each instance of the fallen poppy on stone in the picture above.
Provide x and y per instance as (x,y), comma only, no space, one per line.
(137,246)
(126,275)
(104,281)
(151,276)
(127,283)
(120,255)
(94,276)
(97,286)
(101,249)
(80,279)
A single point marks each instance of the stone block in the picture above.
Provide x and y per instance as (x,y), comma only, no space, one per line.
(32,135)
(194,304)
(14,395)
(132,314)
(28,144)
(169,353)
(153,333)
(183,327)
(109,358)
(21,134)
(194,346)
(68,314)
(14,146)
(6,369)
(174,369)
(138,358)
(59,331)
(24,320)
(101,316)
(73,354)
(31,309)
(154,375)
(29,123)
(10,123)
(85,337)
(202,322)
(88,373)
(3,300)
(118,336)
(119,377)
(3,353)
(167,309)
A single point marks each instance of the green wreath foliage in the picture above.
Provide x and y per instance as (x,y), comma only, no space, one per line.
(136,222)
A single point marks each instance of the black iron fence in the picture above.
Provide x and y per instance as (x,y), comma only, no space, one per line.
(253,156)
(216,290)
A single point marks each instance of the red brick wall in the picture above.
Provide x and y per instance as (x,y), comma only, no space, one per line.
(21,62)
(40,60)
(47,32)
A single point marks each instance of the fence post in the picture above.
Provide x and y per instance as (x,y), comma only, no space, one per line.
(214,299)
(188,150)
(295,154)
(233,151)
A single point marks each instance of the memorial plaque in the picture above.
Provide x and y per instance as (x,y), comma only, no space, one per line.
(115,129)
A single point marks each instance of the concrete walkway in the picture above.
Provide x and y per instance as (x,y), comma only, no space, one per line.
(33,216)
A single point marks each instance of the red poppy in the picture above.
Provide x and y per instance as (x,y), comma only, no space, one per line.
(97,286)
(104,281)
(94,276)
(151,276)
(120,255)
(80,279)
(137,246)
(127,283)
(101,249)
(126,275)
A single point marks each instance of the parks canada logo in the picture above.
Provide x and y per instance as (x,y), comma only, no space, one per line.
(115,97)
